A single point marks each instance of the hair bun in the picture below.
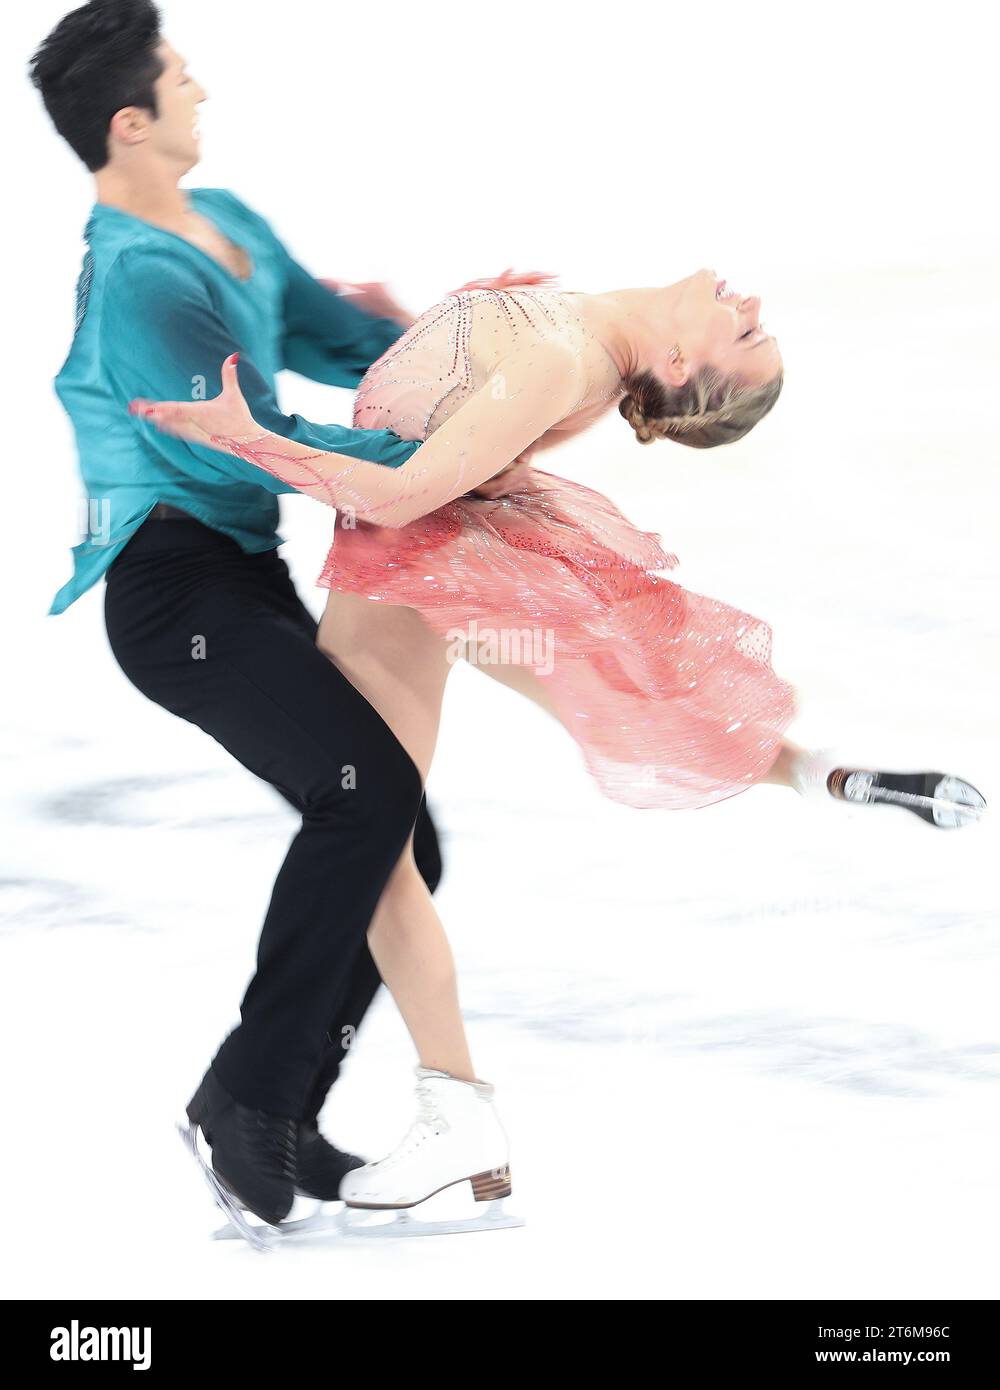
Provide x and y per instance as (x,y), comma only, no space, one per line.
(629,408)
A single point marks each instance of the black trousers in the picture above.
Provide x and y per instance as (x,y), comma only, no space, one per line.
(221,639)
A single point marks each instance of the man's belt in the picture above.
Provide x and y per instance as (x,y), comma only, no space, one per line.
(163,511)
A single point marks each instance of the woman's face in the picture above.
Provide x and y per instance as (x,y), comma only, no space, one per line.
(720,326)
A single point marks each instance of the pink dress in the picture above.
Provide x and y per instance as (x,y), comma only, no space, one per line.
(670,695)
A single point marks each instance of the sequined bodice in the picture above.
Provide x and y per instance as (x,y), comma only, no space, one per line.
(451,351)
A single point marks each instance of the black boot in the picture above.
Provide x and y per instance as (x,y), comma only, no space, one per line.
(253,1152)
(319,1165)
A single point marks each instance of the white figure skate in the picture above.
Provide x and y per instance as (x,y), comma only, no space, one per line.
(457,1137)
(938,798)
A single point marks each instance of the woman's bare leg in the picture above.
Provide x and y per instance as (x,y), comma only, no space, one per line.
(400,666)
(520,678)
(410,948)
(779,773)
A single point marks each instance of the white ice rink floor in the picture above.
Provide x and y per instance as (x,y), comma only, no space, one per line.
(746,1052)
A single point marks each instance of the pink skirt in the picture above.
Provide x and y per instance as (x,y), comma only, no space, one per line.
(670,695)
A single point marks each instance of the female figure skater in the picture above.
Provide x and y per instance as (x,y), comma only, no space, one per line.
(669,694)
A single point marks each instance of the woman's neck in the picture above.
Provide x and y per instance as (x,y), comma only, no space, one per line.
(631,325)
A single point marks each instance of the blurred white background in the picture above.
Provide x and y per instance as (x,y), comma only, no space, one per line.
(747,1052)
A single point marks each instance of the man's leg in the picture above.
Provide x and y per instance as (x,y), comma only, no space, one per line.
(263,690)
(364,980)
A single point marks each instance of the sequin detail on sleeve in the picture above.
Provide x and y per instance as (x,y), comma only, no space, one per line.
(83,286)
(271,456)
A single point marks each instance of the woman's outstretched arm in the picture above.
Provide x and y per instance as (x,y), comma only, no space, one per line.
(530,390)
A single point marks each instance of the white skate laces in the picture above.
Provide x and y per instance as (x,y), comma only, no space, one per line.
(432,1120)
(429,1123)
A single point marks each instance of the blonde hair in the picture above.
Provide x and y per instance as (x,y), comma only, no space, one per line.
(709,409)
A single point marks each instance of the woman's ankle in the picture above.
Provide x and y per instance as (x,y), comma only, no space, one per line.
(457,1072)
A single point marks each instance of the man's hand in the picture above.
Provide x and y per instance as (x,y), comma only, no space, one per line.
(515,475)
(373,297)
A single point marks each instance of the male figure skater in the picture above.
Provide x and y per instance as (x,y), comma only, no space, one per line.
(200,611)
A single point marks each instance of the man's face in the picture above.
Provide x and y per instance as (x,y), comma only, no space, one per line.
(174,134)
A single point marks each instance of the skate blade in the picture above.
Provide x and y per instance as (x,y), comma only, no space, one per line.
(262,1237)
(353,1221)
(954,802)
(363,1222)
(277,1235)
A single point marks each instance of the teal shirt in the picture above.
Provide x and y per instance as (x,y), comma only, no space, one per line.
(156,317)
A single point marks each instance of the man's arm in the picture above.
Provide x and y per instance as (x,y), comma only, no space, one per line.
(374,298)
(163,337)
(326,337)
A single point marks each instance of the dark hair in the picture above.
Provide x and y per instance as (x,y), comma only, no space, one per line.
(709,409)
(98,59)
